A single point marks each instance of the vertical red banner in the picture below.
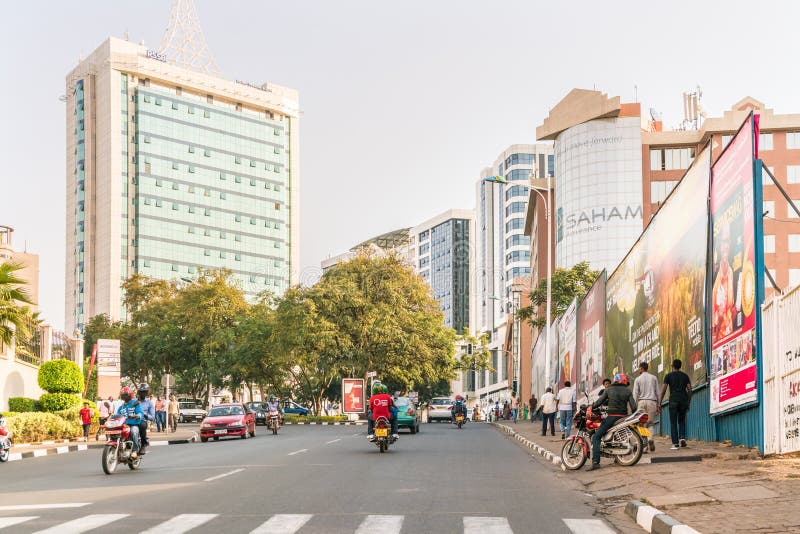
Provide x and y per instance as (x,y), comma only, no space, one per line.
(353,395)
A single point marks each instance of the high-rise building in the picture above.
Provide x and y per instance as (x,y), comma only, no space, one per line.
(172,170)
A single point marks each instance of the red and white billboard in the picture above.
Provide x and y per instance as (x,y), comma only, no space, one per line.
(353,395)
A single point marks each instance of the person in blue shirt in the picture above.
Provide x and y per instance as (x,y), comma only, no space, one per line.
(149,411)
(132,410)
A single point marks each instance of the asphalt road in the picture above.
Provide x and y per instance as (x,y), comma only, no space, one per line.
(307,479)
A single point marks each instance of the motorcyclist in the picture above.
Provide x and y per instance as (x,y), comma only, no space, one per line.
(273,404)
(381,405)
(392,409)
(618,397)
(149,411)
(132,410)
(459,407)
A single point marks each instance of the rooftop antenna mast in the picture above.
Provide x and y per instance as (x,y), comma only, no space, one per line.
(184,43)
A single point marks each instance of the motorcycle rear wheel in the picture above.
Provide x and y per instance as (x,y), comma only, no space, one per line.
(633,457)
(135,464)
(4,455)
(110,459)
(574,460)
(274,430)
(383,446)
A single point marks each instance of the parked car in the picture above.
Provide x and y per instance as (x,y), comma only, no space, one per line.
(225,420)
(292,408)
(439,409)
(407,414)
(190,411)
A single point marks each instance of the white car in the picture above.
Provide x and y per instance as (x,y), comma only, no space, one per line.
(439,409)
(190,411)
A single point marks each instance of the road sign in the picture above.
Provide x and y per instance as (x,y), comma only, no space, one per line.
(372,374)
(168,381)
(108,363)
(353,395)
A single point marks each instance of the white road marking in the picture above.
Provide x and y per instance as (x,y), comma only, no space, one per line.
(212,479)
(39,452)
(333,441)
(11,521)
(588,526)
(180,524)
(487,525)
(12,507)
(297,452)
(381,524)
(83,524)
(283,524)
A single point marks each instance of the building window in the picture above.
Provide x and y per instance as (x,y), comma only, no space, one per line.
(175,165)
(237,237)
(794,277)
(238,218)
(659,191)
(147,263)
(174,206)
(158,183)
(222,254)
(516,207)
(158,203)
(210,99)
(237,257)
(206,113)
(252,181)
(252,163)
(147,98)
(207,232)
(147,201)
(519,159)
(424,248)
(206,252)
(146,138)
(174,267)
(252,221)
(769,208)
(222,195)
(191,229)
(726,139)
(207,212)
(175,186)
(769,244)
(237,160)
(158,101)
(794,242)
(191,169)
(222,176)
(793,174)
(191,150)
(519,175)
(207,153)
(670,159)
(190,189)
(238,179)
(191,209)
(765,141)
(793,140)
(190,110)
(222,235)
(790,211)
(516,191)
(174,105)
(515,224)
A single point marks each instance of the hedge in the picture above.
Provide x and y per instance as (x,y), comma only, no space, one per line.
(23,404)
(314,418)
(54,402)
(40,426)
(60,376)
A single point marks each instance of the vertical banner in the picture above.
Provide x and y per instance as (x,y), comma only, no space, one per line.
(733,304)
(552,380)
(567,361)
(538,357)
(353,395)
(655,309)
(590,333)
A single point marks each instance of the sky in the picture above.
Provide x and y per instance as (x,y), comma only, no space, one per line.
(403,103)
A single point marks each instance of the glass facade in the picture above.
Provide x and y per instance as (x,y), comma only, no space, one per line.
(449,270)
(80,172)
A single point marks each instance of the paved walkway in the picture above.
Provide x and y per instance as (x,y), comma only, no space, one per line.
(730,490)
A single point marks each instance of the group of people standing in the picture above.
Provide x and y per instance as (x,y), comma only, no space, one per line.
(166,413)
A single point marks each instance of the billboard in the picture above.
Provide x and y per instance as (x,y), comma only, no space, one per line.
(733,305)
(655,298)
(353,395)
(567,362)
(108,360)
(538,366)
(590,335)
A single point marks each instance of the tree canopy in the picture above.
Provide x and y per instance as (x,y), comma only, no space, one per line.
(565,285)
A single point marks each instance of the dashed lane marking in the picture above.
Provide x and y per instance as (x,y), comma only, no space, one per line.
(212,479)
(297,452)
(333,441)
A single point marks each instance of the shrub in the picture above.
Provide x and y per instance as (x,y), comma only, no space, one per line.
(23,404)
(314,418)
(60,376)
(54,402)
(39,426)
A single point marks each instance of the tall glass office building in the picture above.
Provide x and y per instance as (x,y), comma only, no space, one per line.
(171,171)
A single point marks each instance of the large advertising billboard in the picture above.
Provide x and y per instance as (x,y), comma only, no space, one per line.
(590,334)
(567,362)
(538,386)
(655,298)
(733,275)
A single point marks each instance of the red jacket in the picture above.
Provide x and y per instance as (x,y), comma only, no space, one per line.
(380,404)
(86,416)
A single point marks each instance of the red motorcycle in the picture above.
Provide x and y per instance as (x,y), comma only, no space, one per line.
(5,440)
(119,446)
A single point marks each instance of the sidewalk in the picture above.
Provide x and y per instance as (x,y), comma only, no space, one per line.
(712,487)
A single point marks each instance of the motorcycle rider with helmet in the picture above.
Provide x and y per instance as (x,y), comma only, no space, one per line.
(273,404)
(381,405)
(149,411)
(618,397)
(132,410)
(459,407)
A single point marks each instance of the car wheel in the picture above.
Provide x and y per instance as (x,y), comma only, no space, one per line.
(418,427)
(181,419)
(216,438)
(413,429)
(253,433)
(204,440)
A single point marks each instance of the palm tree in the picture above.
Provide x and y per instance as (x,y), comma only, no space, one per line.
(14,316)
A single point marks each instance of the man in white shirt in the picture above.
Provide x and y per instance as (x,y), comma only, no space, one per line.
(549,407)
(566,407)
(645,393)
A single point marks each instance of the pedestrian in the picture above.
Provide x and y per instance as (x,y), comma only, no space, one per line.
(645,393)
(104,409)
(514,407)
(506,411)
(173,411)
(86,420)
(566,407)
(680,394)
(496,410)
(115,404)
(549,407)
(524,411)
(161,414)
(533,403)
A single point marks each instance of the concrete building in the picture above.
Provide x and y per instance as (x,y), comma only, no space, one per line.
(171,170)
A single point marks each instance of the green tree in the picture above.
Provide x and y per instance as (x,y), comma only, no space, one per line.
(14,315)
(566,284)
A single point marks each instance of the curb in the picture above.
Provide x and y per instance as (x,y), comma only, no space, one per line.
(544,453)
(656,521)
(347,423)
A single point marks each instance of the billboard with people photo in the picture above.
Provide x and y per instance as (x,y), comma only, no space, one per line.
(567,363)
(591,333)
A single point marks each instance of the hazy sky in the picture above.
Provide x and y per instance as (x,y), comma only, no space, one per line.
(403,102)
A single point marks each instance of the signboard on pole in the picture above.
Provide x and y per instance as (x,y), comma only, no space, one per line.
(353,395)
(108,363)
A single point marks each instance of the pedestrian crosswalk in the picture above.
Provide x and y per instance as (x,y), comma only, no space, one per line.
(276,524)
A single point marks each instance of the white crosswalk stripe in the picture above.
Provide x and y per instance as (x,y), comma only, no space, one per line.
(588,526)
(283,524)
(381,524)
(487,525)
(11,521)
(83,524)
(180,524)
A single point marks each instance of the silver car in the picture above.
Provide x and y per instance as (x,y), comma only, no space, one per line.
(190,411)
(439,409)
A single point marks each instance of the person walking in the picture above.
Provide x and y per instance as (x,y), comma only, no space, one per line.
(566,408)
(549,407)
(514,407)
(524,411)
(104,411)
(173,412)
(532,404)
(680,394)
(496,410)
(86,420)
(161,414)
(645,393)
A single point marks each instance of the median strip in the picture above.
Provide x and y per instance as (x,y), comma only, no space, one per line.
(223,475)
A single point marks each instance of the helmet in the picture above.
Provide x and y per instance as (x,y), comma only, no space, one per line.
(459,398)
(126,393)
(621,378)
(377,388)
(144,387)
(272,397)
(384,388)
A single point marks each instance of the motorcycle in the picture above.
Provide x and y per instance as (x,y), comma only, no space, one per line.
(623,441)
(382,436)
(119,446)
(274,421)
(459,420)
(5,440)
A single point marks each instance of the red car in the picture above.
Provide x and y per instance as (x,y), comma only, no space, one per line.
(223,420)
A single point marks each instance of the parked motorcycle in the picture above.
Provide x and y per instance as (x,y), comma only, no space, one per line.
(274,421)
(5,440)
(623,441)
(382,434)
(119,446)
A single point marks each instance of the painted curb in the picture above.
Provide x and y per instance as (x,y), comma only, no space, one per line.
(544,453)
(655,521)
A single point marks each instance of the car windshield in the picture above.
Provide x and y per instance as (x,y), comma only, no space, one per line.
(188,405)
(258,405)
(441,402)
(402,401)
(221,411)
